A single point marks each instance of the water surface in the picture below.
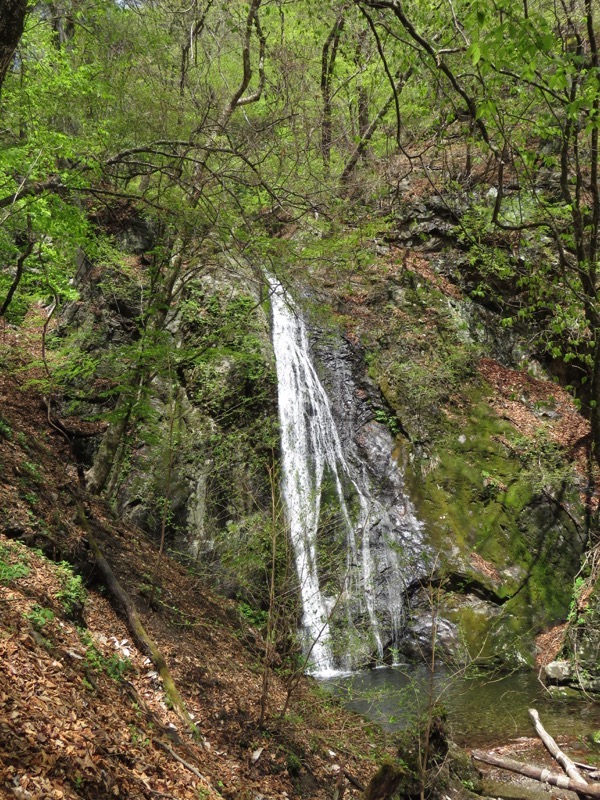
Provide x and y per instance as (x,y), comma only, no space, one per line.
(482,711)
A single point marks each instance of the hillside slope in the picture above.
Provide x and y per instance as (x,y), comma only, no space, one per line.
(82,710)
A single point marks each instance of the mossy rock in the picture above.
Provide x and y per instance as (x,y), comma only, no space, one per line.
(489,523)
(490,636)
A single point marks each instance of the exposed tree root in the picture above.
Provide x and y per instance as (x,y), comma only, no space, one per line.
(137,630)
(354,781)
(384,783)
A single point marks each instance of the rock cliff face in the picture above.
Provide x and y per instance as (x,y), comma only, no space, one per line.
(471,522)
(398,546)
(486,447)
(199,398)
(486,559)
(367,542)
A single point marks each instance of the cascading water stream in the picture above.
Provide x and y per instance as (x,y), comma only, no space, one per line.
(312,450)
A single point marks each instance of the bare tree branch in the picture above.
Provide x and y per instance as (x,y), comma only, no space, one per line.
(53,184)
(396,7)
(238,96)
(362,145)
(17,279)
(387,71)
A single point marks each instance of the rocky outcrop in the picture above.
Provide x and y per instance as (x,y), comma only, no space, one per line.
(496,503)
(453,504)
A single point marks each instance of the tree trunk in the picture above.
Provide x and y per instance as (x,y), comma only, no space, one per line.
(595,399)
(63,24)
(565,762)
(368,134)
(137,630)
(328,57)
(12,22)
(17,279)
(98,475)
(543,775)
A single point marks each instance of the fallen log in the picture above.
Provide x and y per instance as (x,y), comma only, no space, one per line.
(137,630)
(543,775)
(594,772)
(354,781)
(569,766)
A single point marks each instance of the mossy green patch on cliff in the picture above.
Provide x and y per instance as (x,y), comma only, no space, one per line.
(489,522)
(582,638)
(498,505)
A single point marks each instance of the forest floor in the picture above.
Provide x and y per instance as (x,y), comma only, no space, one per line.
(83,713)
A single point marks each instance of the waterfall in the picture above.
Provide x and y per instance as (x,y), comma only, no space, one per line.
(337,630)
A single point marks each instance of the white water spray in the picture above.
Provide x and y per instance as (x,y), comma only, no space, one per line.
(311,447)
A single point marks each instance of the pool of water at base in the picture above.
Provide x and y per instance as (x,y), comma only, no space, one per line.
(481,711)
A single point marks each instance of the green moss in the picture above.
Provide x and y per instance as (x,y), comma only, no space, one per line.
(474,497)
(479,486)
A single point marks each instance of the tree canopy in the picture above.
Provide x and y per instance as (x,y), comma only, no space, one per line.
(220,123)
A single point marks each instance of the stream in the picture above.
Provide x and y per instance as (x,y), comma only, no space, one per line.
(483,711)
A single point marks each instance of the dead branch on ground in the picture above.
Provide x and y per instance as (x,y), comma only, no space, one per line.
(137,630)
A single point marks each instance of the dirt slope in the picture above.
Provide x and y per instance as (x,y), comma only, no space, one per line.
(82,710)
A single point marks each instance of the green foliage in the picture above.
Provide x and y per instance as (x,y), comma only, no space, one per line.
(428,383)
(530,289)
(13,564)
(293,764)
(5,429)
(228,371)
(138,737)
(39,616)
(72,594)
(254,616)
(578,587)
(390,420)
(114,666)
(544,463)
(32,471)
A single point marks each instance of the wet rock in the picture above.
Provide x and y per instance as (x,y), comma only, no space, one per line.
(558,671)
(137,236)
(418,640)
(565,693)
(396,549)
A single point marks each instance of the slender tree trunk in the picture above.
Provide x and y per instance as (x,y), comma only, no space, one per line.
(328,57)
(17,279)
(137,629)
(12,22)
(368,134)
(595,400)
(63,24)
